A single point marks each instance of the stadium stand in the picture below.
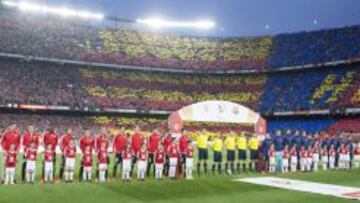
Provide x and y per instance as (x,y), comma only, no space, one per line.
(51,37)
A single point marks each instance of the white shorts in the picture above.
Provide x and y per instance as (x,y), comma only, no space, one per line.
(315,158)
(332,159)
(49,166)
(173,161)
(142,165)
(30,165)
(10,170)
(309,160)
(285,162)
(325,159)
(88,169)
(302,161)
(294,160)
(102,167)
(357,158)
(69,164)
(188,162)
(159,166)
(272,161)
(127,164)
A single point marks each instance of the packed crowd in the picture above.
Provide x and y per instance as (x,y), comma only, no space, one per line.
(171,154)
(53,84)
(63,38)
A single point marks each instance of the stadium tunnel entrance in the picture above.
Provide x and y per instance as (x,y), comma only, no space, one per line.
(217,112)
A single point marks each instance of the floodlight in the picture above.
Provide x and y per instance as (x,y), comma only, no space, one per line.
(160,23)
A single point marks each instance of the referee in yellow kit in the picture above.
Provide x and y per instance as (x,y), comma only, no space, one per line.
(254,147)
(201,142)
(217,147)
(230,153)
(241,143)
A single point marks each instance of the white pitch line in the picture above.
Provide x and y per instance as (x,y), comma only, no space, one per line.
(306,186)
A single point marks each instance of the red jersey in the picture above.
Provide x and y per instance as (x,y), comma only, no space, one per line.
(189,152)
(183,144)
(136,142)
(30,154)
(344,150)
(102,156)
(70,152)
(271,153)
(87,159)
(286,153)
(173,151)
(142,155)
(120,141)
(10,138)
(28,138)
(86,141)
(127,155)
(303,153)
(332,152)
(310,153)
(49,155)
(356,151)
(10,160)
(153,142)
(315,150)
(167,142)
(293,152)
(324,152)
(100,139)
(160,156)
(51,139)
(65,141)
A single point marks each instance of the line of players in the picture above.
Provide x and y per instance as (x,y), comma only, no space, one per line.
(302,152)
(164,155)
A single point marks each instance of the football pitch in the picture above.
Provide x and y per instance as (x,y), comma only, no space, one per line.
(201,189)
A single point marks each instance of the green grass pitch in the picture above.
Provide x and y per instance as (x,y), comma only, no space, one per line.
(201,189)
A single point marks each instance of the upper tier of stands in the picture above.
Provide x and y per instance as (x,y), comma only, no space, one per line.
(62,38)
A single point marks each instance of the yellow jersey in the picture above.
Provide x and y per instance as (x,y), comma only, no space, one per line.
(230,143)
(241,142)
(201,141)
(254,143)
(217,145)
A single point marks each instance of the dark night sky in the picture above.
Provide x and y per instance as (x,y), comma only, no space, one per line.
(235,17)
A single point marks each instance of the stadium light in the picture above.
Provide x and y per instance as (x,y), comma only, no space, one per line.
(160,23)
(62,11)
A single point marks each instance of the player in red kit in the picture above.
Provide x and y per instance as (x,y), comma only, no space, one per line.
(64,143)
(30,136)
(70,155)
(119,144)
(102,162)
(167,140)
(173,153)
(159,162)
(30,157)
(183,145)
(153,144)
(10,164)
(86,161)
(189,161)
(137,141)
(50,140)
(48,162)
(86,141)
(11,136)
(126,164)
(141,163)
(103,137)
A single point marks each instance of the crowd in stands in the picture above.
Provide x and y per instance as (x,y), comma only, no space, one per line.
(62,38)
(53,84)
